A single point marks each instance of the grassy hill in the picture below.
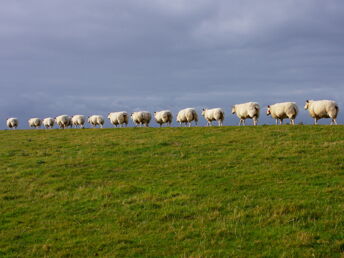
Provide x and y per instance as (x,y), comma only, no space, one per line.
(230,191)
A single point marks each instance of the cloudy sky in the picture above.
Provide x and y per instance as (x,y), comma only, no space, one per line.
(92,57)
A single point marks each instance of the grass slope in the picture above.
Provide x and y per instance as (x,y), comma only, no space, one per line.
(230,191)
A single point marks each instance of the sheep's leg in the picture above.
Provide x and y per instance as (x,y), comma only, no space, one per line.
(243,122)
(335,121)
(315,121)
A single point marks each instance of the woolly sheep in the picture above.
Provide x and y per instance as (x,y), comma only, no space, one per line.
(78,120)
(322,109)
(35,122)
(163,117)
(96,120)
(63,121)
(12,123)
(280,111)
(141,118)
(48,122)
(118,118)
(186,116)
(215,114)
(247,110)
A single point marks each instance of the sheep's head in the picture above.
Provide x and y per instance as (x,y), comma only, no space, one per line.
(233,110)
(268,111)
(203,111)
(307,104)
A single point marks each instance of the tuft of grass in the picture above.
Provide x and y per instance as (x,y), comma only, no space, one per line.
(219,191)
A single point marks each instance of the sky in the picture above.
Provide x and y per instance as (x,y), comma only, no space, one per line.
(94,57)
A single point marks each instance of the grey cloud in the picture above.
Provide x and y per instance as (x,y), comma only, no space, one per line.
(97,56)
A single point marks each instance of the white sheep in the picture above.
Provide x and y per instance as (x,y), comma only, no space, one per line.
(247,110)
(48,122)
(96,120)
(141,118)
(214,114)
(322,109)
(35,122)
(78,120)
(186,116)
(163,117)
(63,121)
(118,118)
(12,122)
(280,111)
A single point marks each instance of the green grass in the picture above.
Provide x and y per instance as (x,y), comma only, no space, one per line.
(229,191)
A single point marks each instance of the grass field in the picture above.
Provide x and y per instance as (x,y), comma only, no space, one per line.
(230,191)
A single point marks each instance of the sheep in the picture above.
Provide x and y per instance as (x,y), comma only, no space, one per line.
(215,114)
(35,122)
(247,110)
(186,116)
(118,118)
(12,123)
(280,111)
(96,120)
(48,122)
(322,109)
(141,118)
(78,120)
(163,117)
(63,121)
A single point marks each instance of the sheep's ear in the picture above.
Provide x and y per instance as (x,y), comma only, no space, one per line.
(307,101)
(268,106)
